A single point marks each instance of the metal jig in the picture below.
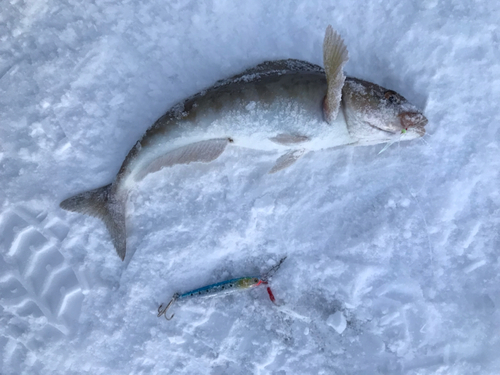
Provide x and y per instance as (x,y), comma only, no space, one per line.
(225,286)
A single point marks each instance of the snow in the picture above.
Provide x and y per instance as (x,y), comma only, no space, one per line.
(337,321)
(404,245)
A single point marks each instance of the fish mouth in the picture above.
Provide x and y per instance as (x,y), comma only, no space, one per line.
(414,121)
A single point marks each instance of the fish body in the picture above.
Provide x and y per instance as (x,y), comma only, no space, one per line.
(272,112)
(287,106)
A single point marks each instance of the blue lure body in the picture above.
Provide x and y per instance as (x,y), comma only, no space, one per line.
(224,286)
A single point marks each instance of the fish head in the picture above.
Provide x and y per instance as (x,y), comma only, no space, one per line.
(377,115)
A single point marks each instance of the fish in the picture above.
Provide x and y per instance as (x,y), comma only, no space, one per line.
(288,106)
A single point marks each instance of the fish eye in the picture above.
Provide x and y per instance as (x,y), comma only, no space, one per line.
(391,96)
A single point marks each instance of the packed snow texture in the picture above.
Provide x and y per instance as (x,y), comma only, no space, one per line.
(405,244)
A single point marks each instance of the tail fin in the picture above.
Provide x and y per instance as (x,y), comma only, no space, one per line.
(107,206)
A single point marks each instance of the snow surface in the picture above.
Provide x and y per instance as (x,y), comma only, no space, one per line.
(405,244)
(337,321)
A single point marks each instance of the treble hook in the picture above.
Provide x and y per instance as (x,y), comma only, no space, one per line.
(164,311)
(269,274)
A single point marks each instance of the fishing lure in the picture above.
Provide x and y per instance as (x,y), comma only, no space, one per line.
(224,287)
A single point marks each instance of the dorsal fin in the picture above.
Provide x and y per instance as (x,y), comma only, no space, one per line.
(335,56)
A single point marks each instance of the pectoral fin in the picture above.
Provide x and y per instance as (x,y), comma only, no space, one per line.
(289,139)
(204,151)
(335,56)
(284,161)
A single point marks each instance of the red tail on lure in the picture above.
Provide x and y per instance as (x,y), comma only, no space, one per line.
(271,295)
(269,291)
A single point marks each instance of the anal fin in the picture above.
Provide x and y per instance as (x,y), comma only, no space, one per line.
(286,160)
(204,151)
